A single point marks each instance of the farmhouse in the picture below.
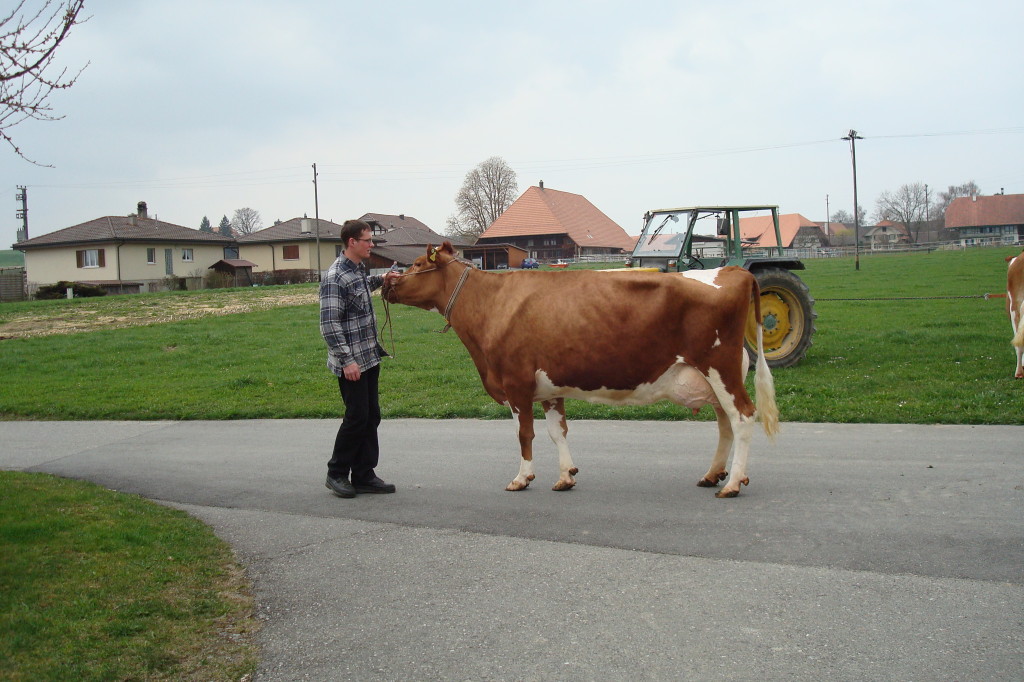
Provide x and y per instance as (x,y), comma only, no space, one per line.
(796,231)
(549,224)
(885,233)
(998,218)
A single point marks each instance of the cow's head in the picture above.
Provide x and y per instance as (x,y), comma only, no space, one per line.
(423,284)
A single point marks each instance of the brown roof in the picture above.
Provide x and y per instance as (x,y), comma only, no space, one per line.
(1000,209)
(403,255)
(548,211)
(291,230)
(405,236)
(122,228)
(761,230)
(386,221)
(234,263)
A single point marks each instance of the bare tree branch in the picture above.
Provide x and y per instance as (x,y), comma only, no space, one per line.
(487,191)
(246,221)
(28,75)
(906,206)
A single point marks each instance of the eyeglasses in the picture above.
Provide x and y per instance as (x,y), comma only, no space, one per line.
(362,240)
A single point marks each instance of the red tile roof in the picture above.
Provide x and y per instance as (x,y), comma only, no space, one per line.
(760,229)
(1000,209)
(549,211)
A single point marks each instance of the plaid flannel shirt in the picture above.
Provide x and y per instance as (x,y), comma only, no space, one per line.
(347,321)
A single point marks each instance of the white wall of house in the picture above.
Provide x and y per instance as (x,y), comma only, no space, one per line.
(299,255)
(129,262)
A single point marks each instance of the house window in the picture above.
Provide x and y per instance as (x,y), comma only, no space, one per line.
(338,248)
(230,252)
(291,252)
(90,258)
(186,255)
(151,256)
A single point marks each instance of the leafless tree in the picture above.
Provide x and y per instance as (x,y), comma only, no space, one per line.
(246,221)
(28,75)
(487,191)
(907,206)
(967,189)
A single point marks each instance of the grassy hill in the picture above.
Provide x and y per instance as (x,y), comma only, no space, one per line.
(10,258)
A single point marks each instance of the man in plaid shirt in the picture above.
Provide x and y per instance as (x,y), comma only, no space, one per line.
(349,326)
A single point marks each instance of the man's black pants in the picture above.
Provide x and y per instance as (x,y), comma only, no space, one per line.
(355,447)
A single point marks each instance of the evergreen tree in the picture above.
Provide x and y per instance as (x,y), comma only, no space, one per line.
(205,226)
(225,227)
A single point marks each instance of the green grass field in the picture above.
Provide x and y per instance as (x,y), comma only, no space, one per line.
(928,360)
(97,585)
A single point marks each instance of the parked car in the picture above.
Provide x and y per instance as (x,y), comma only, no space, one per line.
(530,264)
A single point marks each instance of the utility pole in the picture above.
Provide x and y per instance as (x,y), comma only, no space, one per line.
(828,219)
(22,214)
(852,136)
(316,214)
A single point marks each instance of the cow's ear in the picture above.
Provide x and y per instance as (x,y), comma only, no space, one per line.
(448,248)
(432,254)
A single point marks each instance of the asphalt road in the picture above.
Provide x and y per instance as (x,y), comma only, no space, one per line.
(858,552)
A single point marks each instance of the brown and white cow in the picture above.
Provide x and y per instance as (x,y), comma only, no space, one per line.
(1015,307)
(621,338)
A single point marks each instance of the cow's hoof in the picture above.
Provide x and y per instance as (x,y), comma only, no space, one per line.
(713,480)
(516,484)
(564,485)
(729,492)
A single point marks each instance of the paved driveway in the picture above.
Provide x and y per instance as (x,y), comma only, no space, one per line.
(858,552)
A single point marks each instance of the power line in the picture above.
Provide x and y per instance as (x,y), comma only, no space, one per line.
(396,172)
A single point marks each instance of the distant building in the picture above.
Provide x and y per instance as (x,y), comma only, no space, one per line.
(998,218)
(549,224)
(797,232)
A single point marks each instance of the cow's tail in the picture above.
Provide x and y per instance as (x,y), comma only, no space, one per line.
(764,384)
(1018,338)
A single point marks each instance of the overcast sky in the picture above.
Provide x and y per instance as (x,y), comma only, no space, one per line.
(200,107)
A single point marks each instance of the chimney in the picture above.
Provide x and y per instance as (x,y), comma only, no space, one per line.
(143,213)
(542,184)
(306,225)
(401,216)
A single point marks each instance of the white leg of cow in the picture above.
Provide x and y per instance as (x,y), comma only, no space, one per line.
(742,426)
(744,429)
(717,473)
(524,422)
(554,415)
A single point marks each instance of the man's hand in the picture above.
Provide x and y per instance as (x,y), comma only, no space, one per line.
(352,372)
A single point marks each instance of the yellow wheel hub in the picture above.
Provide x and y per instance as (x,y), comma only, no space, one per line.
(780,318)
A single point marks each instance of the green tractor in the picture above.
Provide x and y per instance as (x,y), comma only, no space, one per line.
(705,237)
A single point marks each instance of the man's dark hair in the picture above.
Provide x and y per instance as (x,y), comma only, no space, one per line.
(353,229)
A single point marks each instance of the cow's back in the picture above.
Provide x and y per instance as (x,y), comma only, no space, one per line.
(608,328)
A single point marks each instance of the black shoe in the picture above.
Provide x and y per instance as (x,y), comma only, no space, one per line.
(340,487)
(374,485)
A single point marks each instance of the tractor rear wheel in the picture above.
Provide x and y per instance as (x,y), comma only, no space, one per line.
(787,318)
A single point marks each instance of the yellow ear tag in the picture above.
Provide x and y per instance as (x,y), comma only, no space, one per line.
(433,256)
